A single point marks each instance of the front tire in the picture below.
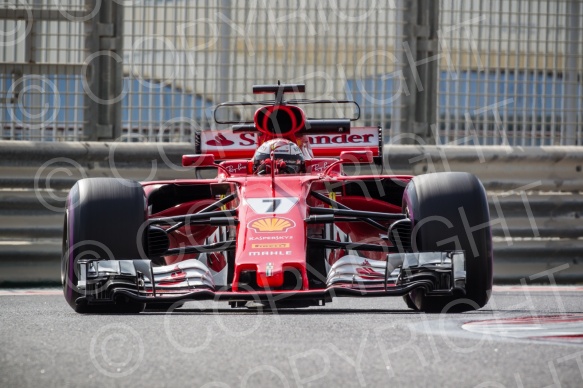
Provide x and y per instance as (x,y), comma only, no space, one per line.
(445,207)
(102,220)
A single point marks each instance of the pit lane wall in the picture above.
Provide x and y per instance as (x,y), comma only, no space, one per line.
(535,196)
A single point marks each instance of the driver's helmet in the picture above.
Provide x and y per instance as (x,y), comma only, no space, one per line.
(287,158)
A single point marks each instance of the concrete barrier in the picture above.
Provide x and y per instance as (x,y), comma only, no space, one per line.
(499,168)
(535,196)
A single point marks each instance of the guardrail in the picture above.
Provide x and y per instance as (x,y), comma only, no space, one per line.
(535,195)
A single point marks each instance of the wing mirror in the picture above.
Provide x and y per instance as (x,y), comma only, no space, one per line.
(205,160)
(356,157)
(351,157)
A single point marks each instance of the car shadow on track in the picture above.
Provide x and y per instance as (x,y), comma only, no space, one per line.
(277,312)
(221,311)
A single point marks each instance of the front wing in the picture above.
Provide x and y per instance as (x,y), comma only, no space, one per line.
(436,273)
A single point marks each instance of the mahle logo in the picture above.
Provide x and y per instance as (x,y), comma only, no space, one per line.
(271,224)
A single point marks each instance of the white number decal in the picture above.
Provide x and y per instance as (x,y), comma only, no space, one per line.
(280,205)
(275,202)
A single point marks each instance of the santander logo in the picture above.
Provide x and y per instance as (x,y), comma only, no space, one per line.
(220,140)
(228,140)
(344,139)
(229,144)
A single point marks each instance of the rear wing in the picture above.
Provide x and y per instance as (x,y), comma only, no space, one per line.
(230,144)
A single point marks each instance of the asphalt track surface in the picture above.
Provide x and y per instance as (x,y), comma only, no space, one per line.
(535,340)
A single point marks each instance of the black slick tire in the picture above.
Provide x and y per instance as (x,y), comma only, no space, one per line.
(449,211)
(102,219)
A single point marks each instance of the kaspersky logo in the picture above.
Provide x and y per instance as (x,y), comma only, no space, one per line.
(271,224)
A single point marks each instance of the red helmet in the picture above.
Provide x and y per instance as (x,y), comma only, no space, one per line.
(287,158)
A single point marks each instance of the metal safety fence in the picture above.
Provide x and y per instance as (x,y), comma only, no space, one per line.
(511,72)
(42,49)
(500,72)
(212,52)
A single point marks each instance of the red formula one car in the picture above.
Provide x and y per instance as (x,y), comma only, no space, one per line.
(279,224)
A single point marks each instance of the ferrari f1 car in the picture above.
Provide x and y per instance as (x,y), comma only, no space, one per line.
(278,223)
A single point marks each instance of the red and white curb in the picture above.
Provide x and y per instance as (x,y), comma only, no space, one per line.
(541,288)
(562,328)
(28,292)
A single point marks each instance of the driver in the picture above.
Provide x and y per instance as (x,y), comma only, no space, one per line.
(287,158)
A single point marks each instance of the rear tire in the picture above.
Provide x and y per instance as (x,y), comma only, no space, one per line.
(436,204)
(102,220)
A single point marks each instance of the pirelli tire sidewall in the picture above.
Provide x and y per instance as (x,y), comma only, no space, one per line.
(449,206)
(102,220)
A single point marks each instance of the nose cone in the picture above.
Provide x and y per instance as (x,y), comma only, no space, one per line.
(270,275)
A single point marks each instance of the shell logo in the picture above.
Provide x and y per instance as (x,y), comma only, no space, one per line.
(271,224)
